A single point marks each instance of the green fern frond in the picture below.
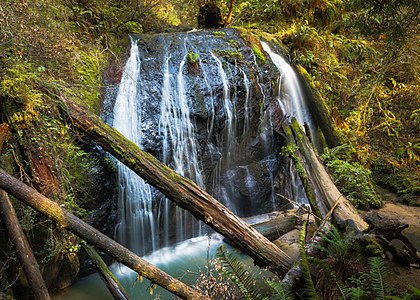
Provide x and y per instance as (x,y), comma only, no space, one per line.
(338,246)
(351,293)
(280,292)
(239,275)
(304,263)
(377,272)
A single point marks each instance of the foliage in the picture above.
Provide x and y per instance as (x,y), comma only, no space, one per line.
(280,292)
(242,278)
(219,33)
(367,285)
(352,179)
(192,57)
(213,284)
(230,54)
(390,18)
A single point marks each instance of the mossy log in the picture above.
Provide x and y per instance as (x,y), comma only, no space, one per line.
(23,249)
(182,191)
(111,282)
(65,219)
(323,193)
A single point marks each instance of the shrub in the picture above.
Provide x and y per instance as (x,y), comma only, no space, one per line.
(352,179)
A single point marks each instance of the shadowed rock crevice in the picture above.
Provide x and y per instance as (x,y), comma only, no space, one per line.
(210,16)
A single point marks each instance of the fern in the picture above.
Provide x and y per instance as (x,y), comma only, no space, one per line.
(280,293)
(351,293)
(377,272)
(239,275)
(338,246)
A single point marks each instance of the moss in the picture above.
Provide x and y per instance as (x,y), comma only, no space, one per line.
(87,67)
(230,54)
(235,44)
(290,151)
(219,33)
(258,53)
(133,27)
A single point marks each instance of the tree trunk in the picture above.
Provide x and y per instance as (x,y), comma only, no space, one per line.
(230,14)
(112,283)
(183,191)
(23,250)
(279,225)
(4,131)
(324,191)
(70,222)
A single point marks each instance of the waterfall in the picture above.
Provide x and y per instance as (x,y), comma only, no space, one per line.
(213,125)
(229,129)
(291,101)
(137,227)
(247,107)
(291,97)
(179,143)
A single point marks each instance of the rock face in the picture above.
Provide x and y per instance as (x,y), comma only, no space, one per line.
(206,107)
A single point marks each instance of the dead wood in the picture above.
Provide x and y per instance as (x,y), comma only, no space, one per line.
(23,249)
(182,191)
(65,219)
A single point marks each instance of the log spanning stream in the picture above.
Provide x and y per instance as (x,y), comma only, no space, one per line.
(205,105)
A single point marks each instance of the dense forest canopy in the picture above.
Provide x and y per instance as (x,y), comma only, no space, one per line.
(360,57)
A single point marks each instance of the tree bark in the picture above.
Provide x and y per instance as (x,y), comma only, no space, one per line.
(4,131)
(274,228)
(23,250)
(183,191)
(112,283)
(325,192)
(70,222)
(230,14)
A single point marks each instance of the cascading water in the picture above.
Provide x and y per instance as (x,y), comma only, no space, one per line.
(135,197)
(233,154)
(290,92)
(179,145)
(211,120)
(292,103)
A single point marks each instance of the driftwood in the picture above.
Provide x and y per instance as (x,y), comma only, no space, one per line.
(52,210)
(182,191)
(111,282)
(23,250)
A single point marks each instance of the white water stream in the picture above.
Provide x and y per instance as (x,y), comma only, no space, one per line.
(135,197)
(146,224)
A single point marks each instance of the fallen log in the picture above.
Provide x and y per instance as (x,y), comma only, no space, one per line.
(183,191)
(324,193)
(52,210)
(277,226)
(111,282)
(23,250)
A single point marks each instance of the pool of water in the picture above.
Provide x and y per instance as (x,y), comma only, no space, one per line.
(184,261)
